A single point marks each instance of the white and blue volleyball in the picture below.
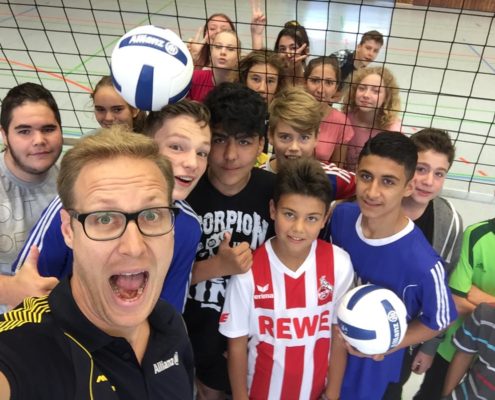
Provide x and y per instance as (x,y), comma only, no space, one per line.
(372,319)
(151,67)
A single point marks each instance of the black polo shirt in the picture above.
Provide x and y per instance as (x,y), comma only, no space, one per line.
(50,350)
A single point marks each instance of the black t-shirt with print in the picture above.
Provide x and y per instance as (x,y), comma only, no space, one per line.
(246,215)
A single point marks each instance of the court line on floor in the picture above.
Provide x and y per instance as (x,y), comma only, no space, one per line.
(471,47)
(44,71)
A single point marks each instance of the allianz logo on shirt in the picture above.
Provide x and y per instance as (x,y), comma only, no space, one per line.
(161,366)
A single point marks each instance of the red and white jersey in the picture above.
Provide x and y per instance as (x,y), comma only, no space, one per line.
(287,316)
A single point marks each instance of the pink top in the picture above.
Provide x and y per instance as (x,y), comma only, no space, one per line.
(361,136)
(202,83)
(335,129)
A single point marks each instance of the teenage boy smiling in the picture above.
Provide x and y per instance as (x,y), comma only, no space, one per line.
(387,249)
(279,316)
(232,201)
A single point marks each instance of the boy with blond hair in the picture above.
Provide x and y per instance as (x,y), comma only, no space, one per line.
(282,310)
(295,118)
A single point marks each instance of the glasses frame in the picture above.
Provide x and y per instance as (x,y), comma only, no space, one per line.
(81,217)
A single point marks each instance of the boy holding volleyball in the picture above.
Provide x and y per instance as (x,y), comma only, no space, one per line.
(279,316)
(388,250)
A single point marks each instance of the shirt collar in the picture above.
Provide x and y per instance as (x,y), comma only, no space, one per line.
(70,319)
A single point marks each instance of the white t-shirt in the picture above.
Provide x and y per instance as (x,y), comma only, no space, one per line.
(21,204)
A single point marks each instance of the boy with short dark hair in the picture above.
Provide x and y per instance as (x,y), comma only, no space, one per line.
(232,201)
(295,118)
(279,316)
(387,249)
(436,217)
(31,132)
(182,133)
(440,223)
(351,60)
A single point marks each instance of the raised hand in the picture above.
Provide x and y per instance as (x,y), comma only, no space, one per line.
(195,45)
(28,282)
(300,55)
(234,260)
(355,352)
(258,23)
(258,19)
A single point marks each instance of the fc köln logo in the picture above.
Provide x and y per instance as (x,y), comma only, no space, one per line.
(325,290)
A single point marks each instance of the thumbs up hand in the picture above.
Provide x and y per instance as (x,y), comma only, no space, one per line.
(234,260)
(28,282)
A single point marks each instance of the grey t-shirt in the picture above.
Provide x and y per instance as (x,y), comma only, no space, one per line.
(21,204)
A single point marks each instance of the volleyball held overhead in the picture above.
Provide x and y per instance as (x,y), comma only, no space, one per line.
(372,319)
(151,67)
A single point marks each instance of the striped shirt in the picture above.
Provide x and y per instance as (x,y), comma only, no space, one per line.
(477,337)
(287,316)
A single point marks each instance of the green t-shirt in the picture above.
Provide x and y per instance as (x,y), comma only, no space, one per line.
(476,267)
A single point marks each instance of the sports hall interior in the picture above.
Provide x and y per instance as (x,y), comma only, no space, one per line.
(441,52)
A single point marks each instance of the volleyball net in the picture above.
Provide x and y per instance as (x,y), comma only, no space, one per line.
(443,59)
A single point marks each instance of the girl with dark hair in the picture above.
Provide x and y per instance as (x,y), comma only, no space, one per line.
(322,77)
(261,71)
(110,108)
(293,46)
(225,52)
(200,45)
(218,22)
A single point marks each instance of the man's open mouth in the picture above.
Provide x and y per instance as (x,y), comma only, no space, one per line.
(129,286)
